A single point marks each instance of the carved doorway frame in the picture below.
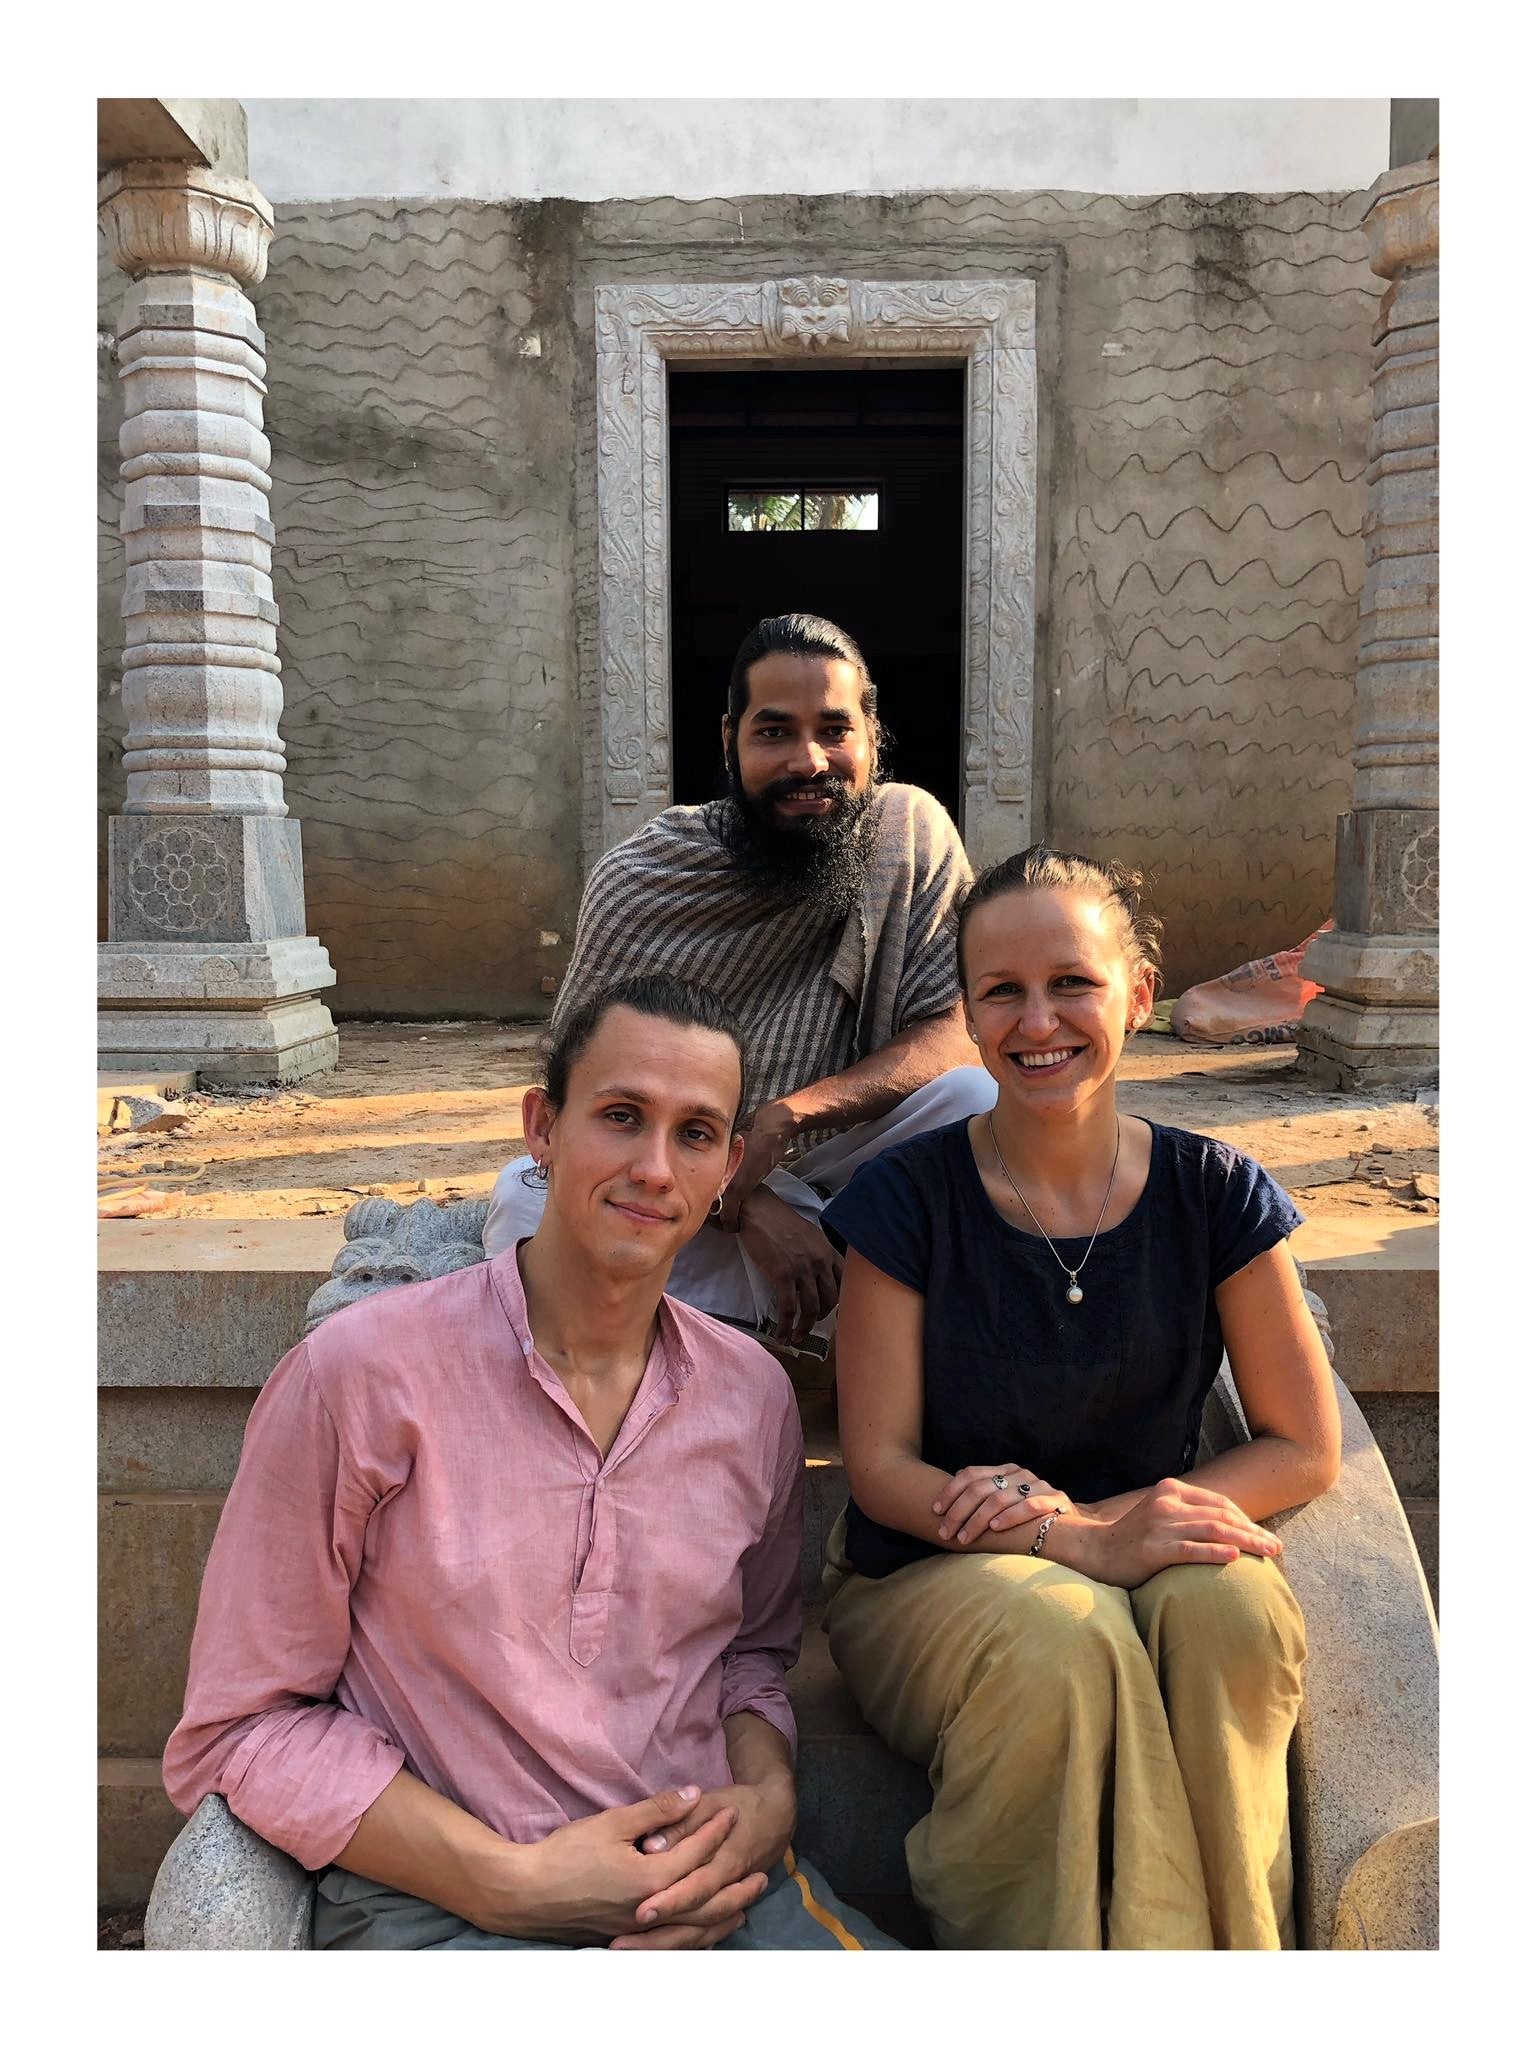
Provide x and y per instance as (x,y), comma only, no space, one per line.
(989,324)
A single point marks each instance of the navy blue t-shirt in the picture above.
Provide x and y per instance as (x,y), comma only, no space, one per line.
(1098,1397)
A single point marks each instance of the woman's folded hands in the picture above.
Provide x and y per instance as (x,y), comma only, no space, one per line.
(994,1497)
(1123,1542)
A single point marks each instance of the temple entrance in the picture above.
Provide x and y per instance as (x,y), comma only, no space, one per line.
(839,492)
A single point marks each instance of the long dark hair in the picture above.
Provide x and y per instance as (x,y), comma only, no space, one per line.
(666,996)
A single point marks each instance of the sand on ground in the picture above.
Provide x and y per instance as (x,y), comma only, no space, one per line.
(434,1109)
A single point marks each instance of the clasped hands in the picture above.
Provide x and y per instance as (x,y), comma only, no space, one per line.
(674,1872)
(1121,1542)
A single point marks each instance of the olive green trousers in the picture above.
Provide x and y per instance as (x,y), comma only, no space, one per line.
(1108,1768)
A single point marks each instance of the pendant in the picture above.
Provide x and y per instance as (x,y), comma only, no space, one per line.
(1074,1292)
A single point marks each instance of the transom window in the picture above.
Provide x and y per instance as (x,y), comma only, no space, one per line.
(802,508)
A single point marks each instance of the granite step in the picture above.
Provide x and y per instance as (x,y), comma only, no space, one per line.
(858,1799)
(1423,1514)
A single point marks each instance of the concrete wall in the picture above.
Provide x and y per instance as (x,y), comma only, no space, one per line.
(1204,402)
(693,149)
(1209,491)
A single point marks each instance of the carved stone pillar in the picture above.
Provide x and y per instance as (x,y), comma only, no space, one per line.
(207,964)
(1378,1018)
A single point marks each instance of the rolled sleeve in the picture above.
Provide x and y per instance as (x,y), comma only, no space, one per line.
(1250,1212)
(260,1725)
(768,1641)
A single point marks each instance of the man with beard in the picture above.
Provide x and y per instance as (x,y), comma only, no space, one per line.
(817,901)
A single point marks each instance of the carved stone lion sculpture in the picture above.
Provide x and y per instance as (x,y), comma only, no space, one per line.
(389,1245)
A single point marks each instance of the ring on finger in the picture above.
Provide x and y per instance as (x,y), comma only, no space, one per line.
(1000,1481)
(1023,1486)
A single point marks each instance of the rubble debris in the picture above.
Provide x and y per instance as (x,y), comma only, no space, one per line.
(121,1930)
(144,1113)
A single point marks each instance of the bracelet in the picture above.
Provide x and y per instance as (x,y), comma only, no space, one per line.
(1044,1531)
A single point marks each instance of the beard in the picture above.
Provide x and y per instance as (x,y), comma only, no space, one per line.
(821,861)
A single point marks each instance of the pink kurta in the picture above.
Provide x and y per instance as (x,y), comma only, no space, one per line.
(424,1560)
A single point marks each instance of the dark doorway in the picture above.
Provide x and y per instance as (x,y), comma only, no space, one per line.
(832,491)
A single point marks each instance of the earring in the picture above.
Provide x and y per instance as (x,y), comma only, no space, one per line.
(717,1206)
(541,1171)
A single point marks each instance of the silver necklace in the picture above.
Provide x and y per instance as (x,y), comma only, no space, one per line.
(1074,1292)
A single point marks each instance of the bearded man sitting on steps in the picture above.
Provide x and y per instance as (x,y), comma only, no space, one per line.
(818,902)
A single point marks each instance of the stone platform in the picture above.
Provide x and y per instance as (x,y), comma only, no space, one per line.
(214,1296)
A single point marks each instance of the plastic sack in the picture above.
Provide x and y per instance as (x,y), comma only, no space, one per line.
(1259,1003)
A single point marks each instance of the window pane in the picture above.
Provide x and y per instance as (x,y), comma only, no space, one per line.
(762,511)
(842,511)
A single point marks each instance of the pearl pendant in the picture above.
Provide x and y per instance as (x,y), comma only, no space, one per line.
(1074,1292)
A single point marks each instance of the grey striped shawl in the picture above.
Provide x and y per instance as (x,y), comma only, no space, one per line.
(813,995)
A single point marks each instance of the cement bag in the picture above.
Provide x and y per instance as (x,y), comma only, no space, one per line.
(1259,1003)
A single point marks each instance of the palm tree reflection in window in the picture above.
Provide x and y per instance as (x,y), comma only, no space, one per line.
(803,511)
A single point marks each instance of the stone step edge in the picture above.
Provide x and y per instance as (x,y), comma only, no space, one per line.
(1385,1320)
(130,1774)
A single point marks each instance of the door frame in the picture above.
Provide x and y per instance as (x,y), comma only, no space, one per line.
(989,325)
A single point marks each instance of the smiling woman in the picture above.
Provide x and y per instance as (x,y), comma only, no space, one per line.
(1035,1305)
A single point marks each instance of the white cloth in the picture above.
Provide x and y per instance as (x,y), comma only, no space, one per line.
(712,1272)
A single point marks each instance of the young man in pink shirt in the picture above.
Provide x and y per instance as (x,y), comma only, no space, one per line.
(495,1628)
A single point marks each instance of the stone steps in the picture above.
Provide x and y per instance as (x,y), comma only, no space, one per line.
(1424,1525)
(1380,1280)
(857,1798)
(194,1314)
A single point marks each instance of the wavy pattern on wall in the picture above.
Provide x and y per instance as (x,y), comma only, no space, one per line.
(1208,493)
(1205,367)
(421,571)
(1205,398)
(423,559)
